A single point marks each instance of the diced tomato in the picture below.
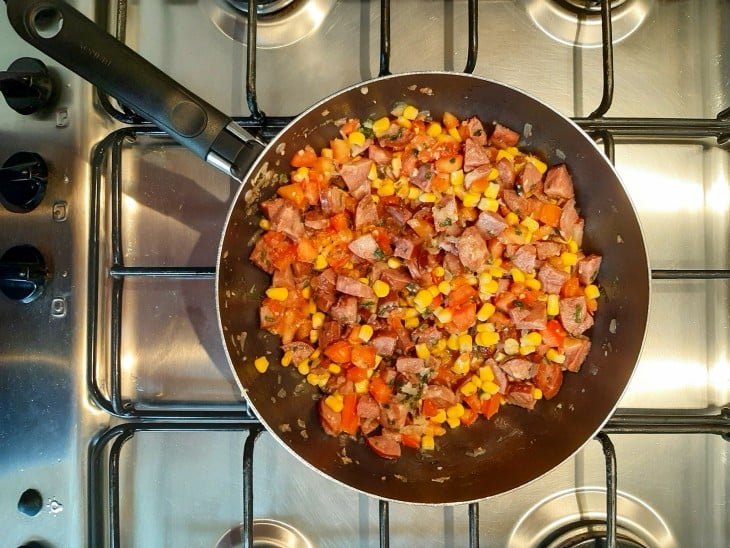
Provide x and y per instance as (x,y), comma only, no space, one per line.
(305,157)
(463,316)
(383,238)
(279,250)
(348,127)
(340,150)
(350,420)
(380,390)
(311,186)
(592,305)
(294,193)
(411,440)
(549,214)
(339,351)
(363,355)
(440,182)
(469,417)
(451,164)
(491,406)
(340,221)
(473,402)
(553,334)
(461,294)
(549,378)
(428,408)
(306,251)
(571,288)
(339,255)
(356,374)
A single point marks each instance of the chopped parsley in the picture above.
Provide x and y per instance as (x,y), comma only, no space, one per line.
(446,222)
(578,314)
(379,254)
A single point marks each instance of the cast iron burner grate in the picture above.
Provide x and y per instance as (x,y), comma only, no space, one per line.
(104,453)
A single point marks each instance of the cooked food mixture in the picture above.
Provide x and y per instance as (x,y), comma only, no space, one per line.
(425,273)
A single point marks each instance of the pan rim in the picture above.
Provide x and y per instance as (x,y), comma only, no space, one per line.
(257,164)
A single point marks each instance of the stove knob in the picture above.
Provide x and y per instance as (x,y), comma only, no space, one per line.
(22,273)
(26,85)
(23,180)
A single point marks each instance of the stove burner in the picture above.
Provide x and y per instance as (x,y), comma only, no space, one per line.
(589,534)
(577,519)
(267,533)
(578,22)
(280,22)
(263,7)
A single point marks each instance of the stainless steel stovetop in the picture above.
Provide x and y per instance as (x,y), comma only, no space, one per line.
(120,422)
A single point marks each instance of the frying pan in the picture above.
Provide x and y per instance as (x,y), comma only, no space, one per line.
(485,459)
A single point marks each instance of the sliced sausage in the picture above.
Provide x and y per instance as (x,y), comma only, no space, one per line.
(533,317)
(519,368)
(529,177)
(384,446)
(475,155)
(525,258)
(551,278)
(588,268)
(351,286)
(491,224)
(345,310)
(504,137)
(366,212)
(574,315)
(355,175)
(576,350)
(366,248)
(473,252)
(521,394)
(559,183)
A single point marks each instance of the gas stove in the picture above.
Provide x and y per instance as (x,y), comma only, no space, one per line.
(120,421)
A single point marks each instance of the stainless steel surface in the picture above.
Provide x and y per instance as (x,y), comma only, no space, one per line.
(184,488)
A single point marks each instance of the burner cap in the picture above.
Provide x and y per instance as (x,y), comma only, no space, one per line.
(263,7)
(578,22)
(589,534)
(280,22)
(267,533)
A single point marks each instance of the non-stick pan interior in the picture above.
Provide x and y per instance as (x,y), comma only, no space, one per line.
(516,446)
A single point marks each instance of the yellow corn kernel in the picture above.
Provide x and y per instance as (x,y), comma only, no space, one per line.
(326,153)
(537,393)
(456,411)
(320,263)
(453,423)
(553,304)
(433,290)
(303,368)
(572,246)
(470,199)
(307,292)
(493,286)
(492,190)
(452,343)
(410,112)
(568,258)
(414,193)
(264,224)
(409,313)
(314,355)
(490,387)
(517,275)
(486,374)
(511,346)
(396,164)
(455,134)
(317,379)
(381,288)
(313,335)
(476,380)
(373,173)
(555,356)
(422,351)
(378,359)
(261,364)
(488,204)
(592,292)
(444,287)
(356,138)
(444,315)
(439,271)
(301,174)
(365,332)
(427,198)
(334,402)
(539,164)
(487,338)
(286,358)
(387,188)
(433,129)
(530,224)
(533,283)
(440,345)
(402,121)
(380,126)
(471,279)
(457,177)
(423,298)
(482,327)
(512,218)
(485,312)
(334,369)
(361,387)
(468,388)
(427,443)
(465,342)
(508,153)
(439,417)
(311,307)
(277,293)
(526,350)
(317,320)
(461,364)
(394,262)
(533,338)
(411,323)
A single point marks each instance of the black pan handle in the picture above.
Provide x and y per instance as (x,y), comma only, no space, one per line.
(79,44)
